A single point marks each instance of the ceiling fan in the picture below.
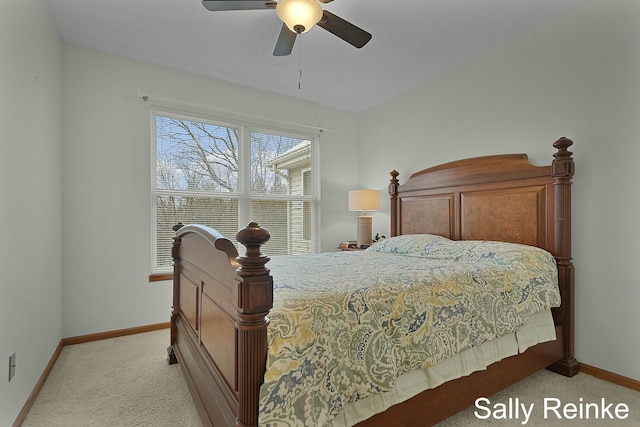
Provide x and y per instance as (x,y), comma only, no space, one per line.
(298,16)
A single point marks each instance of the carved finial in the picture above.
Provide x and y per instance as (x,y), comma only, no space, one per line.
(252,237)
(562,146)
(563,162)
(253,234)
(393,183)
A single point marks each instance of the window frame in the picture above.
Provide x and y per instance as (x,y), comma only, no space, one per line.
(244,195)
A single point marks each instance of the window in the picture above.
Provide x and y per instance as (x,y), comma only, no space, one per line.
(225,175)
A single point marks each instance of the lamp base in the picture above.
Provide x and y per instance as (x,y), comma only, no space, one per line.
(364,230)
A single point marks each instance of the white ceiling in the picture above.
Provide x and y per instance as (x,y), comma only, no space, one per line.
(413,41)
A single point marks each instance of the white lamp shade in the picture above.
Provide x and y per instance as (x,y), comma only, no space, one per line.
(364,200)
(299,13)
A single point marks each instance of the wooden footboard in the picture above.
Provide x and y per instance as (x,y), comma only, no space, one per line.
(221,301)
(218,321)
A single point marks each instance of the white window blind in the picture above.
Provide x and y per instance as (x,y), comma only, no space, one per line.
(225,175)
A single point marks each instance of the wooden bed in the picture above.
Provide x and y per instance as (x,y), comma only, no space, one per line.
(221,301)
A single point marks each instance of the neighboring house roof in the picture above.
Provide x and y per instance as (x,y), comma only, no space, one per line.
(296,157)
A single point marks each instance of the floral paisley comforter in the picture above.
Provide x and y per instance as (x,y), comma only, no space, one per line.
(345,325)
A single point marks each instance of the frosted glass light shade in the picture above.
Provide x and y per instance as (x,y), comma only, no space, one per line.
(299,15)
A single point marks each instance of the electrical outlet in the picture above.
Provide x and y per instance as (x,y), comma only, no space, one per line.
(12,366)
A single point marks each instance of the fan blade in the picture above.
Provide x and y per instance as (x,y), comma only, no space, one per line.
(343,29)
(216,5)
(326,1)
(285,42)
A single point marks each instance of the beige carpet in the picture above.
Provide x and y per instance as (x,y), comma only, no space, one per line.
(117,382)
(126,381)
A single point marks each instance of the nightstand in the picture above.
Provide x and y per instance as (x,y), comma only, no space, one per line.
(350,246)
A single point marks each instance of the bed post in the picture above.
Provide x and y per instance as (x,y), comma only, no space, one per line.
(562,172)
(393,196)
(254,298)
(171,353)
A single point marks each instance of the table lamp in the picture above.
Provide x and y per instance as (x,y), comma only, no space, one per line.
(364,200)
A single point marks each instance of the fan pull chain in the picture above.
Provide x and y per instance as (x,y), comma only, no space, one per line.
(300,60)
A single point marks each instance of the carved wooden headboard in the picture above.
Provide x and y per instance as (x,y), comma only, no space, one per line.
(501,197)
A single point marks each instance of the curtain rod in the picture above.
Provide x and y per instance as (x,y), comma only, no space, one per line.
(203,108)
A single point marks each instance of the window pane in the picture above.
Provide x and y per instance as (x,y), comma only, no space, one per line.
(196,156)
(218,213)
(285,221)
(277,163)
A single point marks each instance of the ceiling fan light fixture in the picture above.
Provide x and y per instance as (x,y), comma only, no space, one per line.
(299,15)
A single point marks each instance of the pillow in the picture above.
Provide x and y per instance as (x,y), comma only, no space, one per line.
(407,244)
